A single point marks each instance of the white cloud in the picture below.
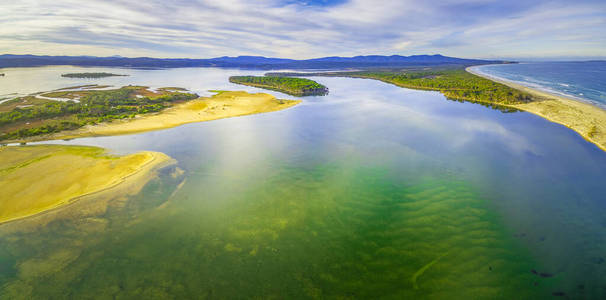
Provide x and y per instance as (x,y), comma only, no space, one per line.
(205,28)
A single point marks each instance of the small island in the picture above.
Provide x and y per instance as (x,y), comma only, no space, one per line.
(288,85)
(90,75)
(1,74)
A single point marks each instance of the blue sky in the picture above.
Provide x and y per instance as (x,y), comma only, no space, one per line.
(305,28)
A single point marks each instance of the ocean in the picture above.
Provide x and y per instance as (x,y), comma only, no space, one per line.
(580,80)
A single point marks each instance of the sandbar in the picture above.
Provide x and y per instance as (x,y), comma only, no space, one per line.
(587,120)
(37,179)
(224,104)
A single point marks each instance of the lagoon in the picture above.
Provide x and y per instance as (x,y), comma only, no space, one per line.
(371,191)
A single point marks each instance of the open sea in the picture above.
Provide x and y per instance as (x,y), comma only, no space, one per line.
(581,80)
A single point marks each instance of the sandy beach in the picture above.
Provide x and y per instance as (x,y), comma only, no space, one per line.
(219,106)
(224,104)
(36,179)
(587,120)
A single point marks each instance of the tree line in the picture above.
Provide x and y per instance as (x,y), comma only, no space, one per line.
(288,85)
(455,84)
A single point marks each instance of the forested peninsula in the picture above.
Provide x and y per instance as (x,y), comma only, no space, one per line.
(456,84)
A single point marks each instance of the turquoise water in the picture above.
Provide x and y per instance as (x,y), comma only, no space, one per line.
(581,80)
(373,191)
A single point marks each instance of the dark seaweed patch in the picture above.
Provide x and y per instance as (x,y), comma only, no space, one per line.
(597,260)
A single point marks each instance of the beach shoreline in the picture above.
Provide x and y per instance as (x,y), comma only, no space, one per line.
(224,104)
(586,119)
(542,90)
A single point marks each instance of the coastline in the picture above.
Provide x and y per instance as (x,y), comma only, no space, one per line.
(586,119)
(91,172)
(224,104)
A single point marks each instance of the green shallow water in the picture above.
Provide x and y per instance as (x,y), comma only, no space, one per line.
(373,191)
(323,231)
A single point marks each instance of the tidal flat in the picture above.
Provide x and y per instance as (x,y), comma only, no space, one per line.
(36,179)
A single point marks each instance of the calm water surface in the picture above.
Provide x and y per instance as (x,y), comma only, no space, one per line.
(373,191)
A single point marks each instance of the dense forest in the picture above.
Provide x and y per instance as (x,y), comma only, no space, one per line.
(90,75)
(289,85)
(95,106)
(456,84)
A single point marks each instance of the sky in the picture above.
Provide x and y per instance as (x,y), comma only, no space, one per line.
(302,29)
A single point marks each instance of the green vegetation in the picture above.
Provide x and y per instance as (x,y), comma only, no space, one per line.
(90,75)
(41,116)
(456,84)
(288,85)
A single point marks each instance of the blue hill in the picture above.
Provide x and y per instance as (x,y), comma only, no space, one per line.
(252,62)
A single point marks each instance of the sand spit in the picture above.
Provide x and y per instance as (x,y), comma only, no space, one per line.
(37,179)
(224,104)
(587,120)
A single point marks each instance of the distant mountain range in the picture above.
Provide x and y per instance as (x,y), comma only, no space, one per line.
(251,62)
